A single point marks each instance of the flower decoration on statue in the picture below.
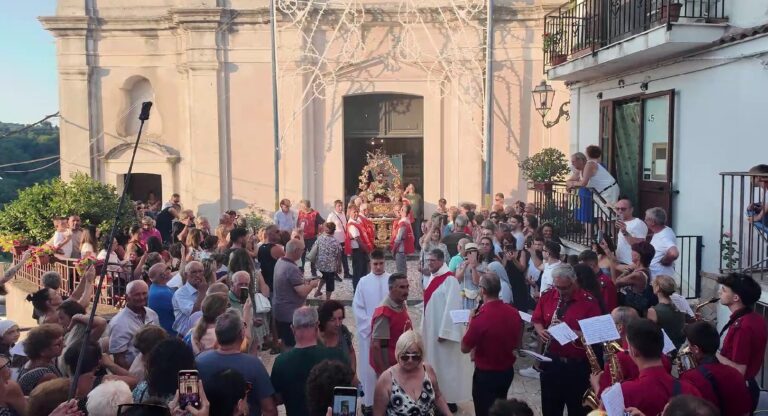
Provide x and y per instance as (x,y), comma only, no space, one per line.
(379,179)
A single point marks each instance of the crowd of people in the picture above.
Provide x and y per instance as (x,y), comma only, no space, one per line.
(212,299)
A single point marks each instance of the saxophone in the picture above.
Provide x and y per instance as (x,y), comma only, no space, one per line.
(589,399)
(555,320)
(610,349)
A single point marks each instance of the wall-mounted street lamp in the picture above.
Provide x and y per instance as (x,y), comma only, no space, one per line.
(543,96)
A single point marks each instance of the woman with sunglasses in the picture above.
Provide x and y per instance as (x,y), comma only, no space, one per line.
(12,400)
(410,386)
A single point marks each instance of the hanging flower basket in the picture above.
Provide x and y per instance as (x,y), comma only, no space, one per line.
(43,260)
(41,255)
(20,249)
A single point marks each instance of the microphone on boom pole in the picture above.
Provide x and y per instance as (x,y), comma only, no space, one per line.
(143,116)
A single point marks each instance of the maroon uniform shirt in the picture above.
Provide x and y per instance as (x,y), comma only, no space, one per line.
(629,370)
(731,397)
(494,334)
(745,343)
(609,292)
(581,306)
(651,391)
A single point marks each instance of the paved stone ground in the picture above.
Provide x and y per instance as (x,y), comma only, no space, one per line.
(522,388)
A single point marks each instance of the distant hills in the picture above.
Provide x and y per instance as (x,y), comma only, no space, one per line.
(38,142)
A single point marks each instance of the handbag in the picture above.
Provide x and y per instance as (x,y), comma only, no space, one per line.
(261,303)
(312,255)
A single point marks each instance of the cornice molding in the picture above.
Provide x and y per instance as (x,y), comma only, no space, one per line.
(215,18)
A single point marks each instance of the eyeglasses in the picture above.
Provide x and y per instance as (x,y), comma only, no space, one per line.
(411,357)
(621,208)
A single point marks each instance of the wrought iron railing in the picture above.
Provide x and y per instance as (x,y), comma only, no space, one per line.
(112,293)
(743,237)
(579,219)
(580,27)
(575,218)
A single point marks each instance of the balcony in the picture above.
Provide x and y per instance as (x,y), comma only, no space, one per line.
(743,236)
(588,39)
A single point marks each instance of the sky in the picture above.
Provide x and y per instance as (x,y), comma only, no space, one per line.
(28,81)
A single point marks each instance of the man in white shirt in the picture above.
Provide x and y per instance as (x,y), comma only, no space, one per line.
(128,322)
(371,291)
(551,254)
(664,241)
(631,230)
(189,298)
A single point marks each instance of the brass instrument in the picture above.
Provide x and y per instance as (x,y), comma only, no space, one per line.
(701,306)
(610,349)
(684,360)
(590,399)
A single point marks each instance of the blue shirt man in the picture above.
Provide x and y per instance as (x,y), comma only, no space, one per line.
(160,298)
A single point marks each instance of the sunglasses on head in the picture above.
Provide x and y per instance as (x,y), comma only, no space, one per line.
(411,356)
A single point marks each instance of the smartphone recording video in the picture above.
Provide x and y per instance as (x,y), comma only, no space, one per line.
(189,394)
(344,401)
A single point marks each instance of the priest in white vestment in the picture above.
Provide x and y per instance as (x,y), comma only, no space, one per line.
(442,338)
(370,293)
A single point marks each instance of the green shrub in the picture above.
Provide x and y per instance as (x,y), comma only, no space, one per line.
(549,165)
(31,213)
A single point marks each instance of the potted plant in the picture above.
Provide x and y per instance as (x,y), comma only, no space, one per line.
(670,11)
(42,255)
(550,43)
(544,168)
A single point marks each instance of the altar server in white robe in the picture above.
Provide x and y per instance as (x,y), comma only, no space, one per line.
(442,338)
(371,291)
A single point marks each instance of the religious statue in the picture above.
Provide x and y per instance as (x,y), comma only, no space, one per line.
(380,187)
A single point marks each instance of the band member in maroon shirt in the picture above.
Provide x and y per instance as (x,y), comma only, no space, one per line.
(569,303)
(744,344)
(714,380)
(651,391)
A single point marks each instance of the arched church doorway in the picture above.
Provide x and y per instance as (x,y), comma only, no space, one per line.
(393,123)
(142,184)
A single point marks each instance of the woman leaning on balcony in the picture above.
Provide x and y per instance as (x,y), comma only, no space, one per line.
(591,174)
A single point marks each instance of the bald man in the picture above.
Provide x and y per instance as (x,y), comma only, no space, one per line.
(189,297)
(160,297)
(128,322)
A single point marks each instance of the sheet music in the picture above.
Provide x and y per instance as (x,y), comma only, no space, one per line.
(536,356)
(613,400)
(562,333)
(599,329)
(668,345)
(460,316)
(526,316)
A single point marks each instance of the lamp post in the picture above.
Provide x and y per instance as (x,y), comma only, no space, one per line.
(543,96)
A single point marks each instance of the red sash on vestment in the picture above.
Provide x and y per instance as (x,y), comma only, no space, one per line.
(309,219)
(433,285)
(369,228)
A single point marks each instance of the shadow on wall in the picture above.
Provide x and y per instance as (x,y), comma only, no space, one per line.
(213,210)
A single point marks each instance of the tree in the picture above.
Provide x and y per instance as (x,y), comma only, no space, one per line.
(38,142)
(31,213)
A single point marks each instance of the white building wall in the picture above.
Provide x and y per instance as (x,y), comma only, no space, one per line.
(720,124)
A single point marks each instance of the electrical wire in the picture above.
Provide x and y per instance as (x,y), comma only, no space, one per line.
(29,161)
(32,170)
(25,128)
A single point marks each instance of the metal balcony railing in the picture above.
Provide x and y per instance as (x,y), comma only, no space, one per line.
(577,223)
(580,27)
(112,293)
(743,230)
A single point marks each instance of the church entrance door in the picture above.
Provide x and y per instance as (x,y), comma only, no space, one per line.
(391,122)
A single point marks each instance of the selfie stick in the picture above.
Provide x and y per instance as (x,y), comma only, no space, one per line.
(143,116)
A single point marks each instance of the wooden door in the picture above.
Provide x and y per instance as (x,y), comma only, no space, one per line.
(655,180)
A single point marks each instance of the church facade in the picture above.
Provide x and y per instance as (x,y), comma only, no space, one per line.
(353,76)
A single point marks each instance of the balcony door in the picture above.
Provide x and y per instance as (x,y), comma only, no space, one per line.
(637,131)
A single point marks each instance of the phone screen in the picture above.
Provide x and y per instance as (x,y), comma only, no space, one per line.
(243,294)
(188,390)
(344,401)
